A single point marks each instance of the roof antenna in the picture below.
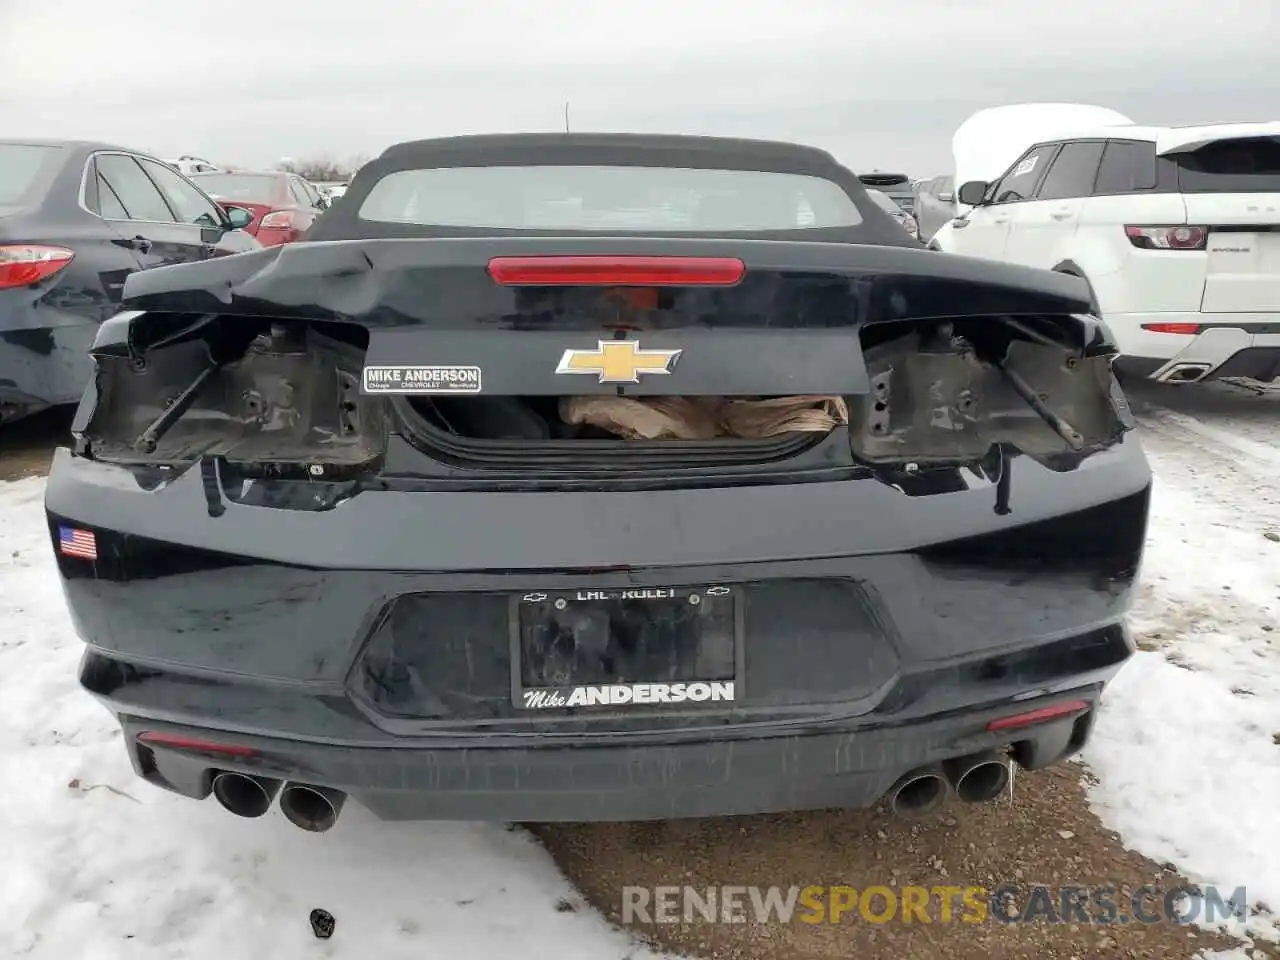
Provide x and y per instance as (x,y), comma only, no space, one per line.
(566,116)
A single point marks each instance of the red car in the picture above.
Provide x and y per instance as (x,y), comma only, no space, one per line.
(283,204)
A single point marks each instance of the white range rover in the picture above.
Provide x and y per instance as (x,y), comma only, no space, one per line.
(1176,229)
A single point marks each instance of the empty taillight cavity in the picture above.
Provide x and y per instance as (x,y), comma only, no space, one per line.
(617,271)
(22,265)
(1167,237)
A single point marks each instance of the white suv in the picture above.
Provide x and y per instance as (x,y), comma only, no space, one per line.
(1176,230)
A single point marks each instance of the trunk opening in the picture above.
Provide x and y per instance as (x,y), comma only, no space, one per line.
(676,432)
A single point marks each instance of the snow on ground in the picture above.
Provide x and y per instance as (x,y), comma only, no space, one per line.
(1187,751)
(91,852)
(1189,771)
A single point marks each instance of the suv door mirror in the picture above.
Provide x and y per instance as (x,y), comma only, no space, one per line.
(971,193)
(239,217)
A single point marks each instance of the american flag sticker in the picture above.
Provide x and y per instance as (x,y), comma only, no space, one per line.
(74,542)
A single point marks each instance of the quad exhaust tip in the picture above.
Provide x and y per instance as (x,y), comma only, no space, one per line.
(919,794)
(314,809)
(979,777)
(243,795)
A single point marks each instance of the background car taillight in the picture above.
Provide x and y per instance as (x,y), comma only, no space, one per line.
(913,228)
(1168,238)
(280,220)
(22,265)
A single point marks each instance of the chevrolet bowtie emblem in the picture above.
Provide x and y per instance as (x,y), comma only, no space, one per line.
(618,361)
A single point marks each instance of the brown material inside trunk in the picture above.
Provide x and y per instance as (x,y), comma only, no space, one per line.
(632,418)
(705,418)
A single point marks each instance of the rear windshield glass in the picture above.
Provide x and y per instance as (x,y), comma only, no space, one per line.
(1231,166)
(882,180)
(609,198)
(23,171)
(238,186)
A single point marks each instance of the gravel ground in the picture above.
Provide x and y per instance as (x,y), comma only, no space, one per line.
(1046,836)
(26,447)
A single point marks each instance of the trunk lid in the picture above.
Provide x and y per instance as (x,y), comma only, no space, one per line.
(790,325)
(1229,176)
(557,362)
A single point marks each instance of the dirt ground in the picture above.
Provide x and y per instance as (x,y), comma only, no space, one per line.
(26,447)
(1045,836)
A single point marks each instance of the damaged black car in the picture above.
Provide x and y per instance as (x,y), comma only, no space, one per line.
(599,477)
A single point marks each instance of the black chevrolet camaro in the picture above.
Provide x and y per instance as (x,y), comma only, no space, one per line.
(599,477)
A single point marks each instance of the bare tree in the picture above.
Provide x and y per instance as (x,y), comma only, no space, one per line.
(322,169)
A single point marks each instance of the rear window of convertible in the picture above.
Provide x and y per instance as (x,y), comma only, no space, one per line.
(609,198)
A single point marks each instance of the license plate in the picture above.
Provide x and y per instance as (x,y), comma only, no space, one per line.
(633,648)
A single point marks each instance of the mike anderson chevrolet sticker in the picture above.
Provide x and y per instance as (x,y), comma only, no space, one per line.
(421,379)
(621,694)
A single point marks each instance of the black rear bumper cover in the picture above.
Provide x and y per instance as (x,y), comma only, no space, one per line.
(245,625)
(810,770)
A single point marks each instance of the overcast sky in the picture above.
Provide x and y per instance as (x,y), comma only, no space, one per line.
(881,84)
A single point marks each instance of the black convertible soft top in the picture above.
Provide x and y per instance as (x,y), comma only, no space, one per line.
(606,149)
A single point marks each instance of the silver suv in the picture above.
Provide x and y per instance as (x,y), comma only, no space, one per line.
(935,205)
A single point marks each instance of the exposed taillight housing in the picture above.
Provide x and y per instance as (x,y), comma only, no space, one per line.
(25,264)
(280,220)
(1167,238)
(912,227)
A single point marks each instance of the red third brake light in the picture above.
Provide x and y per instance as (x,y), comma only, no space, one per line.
(617,271)
(22,265)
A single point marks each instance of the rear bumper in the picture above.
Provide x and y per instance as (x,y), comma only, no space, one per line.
(1228,345)
(363,643)
(839,765)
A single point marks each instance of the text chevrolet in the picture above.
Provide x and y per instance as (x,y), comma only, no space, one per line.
(599,477)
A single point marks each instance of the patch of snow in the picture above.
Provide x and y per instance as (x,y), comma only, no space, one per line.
(1187,748)
(97,863)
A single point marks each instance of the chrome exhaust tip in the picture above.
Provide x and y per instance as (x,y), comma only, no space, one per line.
(243,795)
(314,809)
(919,794)
(1185,373)
(979,777)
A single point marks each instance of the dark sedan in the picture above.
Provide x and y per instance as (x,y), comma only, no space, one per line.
(75,220)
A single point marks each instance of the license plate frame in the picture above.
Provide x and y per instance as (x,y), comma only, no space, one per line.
(536,699)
